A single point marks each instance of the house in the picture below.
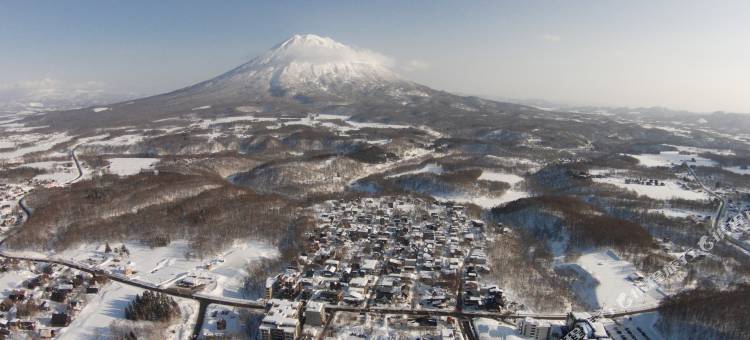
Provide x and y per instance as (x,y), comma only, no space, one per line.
(354,297)
(60,320)
(47,333)
(388,288)
(369,266)
(636,276)
(193,282)
(359,282)
(582,325)
(477,256)
(17,295)
(332,296)
(59,296)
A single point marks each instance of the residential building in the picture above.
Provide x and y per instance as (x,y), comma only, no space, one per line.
(282,320)
(533,328)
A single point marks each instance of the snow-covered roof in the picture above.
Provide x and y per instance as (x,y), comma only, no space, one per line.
(282,314)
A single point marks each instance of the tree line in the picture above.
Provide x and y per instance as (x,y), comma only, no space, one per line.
(708,313)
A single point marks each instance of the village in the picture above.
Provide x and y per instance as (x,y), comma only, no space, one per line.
(10,212)
(40,298)
(736,221)
(371,267)
(401,267)
(400,253)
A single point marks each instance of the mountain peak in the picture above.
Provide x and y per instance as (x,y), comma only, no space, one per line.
(316,50)
(308,39)
(307,64)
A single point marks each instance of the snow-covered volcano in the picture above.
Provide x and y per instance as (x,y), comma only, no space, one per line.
(312,60)
(304,66)
(305,73)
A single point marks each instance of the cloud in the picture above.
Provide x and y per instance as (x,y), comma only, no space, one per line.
(50,92)
(414,65)
(418,64)
(49,88)
(550,37)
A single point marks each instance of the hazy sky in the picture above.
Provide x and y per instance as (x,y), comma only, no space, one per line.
(679,54)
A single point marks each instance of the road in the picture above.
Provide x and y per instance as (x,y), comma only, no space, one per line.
(482,314)
(199,322)
(78,165)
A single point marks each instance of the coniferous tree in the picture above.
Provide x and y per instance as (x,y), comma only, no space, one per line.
(152,307)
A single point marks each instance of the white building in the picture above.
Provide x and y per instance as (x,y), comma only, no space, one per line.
(315,314)
(270,282)
(282,321)
(583,326)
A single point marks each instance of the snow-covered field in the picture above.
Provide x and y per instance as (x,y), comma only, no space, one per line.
(511,179)
(33,143)
(57,172)
(109,305)
(515,162)
(612,275)
(13,279)
(485,201)
(130,166)
(671,158)
(429,168)
(230,274)
(120,140)
(738,170)
(670,190)
(678,213)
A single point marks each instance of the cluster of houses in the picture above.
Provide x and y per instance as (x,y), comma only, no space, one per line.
(736,222)
(10,214)
(476,295)
(645,181)
(50,298)
(386,252)
(394,326)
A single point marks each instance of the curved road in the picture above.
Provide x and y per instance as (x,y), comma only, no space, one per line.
(78,165)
